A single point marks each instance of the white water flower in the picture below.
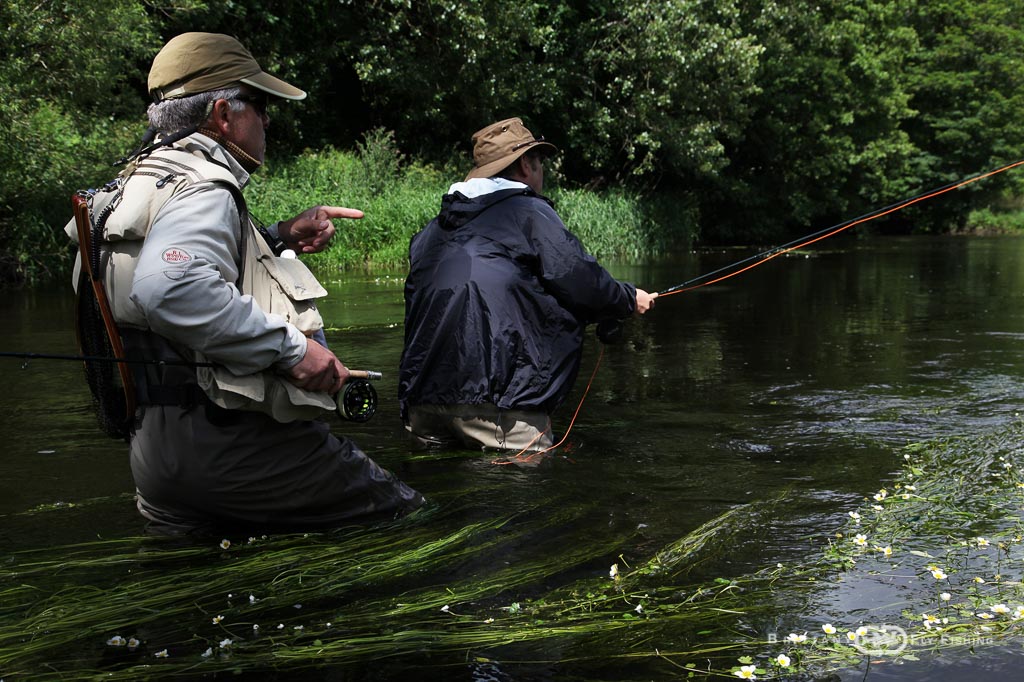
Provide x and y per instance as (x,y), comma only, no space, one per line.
(855,516)
(1000,608)
(161,654)
(783,660)
(208,652)
(860,539)
(252,598)
(979,580)
(255,626)
(795,638)
(613,572)
(986,616)
(133,643)
(117,640)
(945,596)
(225,643)
(746,672)
(938,574)
(982,542)
(444,609)
(828,629)
(639,608)
(217,619)
(878,507)
(886,551)
(224,544)
(881,495)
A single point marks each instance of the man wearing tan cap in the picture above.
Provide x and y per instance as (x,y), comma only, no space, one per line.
(235,442)
(496,301)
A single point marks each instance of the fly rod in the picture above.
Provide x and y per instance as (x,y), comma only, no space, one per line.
(765,256)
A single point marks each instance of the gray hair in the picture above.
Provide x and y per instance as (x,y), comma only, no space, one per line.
(180,113)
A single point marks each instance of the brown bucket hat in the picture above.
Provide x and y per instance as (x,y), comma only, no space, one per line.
(499,144)
(199,62)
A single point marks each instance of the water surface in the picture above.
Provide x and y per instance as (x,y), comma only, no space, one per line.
(805,377)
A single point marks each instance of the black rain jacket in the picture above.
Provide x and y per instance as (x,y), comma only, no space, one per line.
(496,301)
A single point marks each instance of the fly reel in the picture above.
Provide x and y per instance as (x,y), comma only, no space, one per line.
(357,399)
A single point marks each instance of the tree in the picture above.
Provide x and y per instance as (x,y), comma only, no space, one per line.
(967,80)
(824,142)
(63,115)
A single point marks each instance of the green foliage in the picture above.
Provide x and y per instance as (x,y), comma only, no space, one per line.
(824,140)
(656,87)
(398,200)
(994,221)
(623,225)
(63,116)
(968,85)
(762,119)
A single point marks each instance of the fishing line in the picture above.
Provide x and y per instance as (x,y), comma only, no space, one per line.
(760,259)
(522,457)
(102,358)
(807,240)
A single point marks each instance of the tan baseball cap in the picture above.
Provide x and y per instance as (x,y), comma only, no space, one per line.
(199,62)
(499,144)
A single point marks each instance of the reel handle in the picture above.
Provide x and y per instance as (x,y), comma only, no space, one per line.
(365,374)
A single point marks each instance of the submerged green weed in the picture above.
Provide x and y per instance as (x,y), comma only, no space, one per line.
(944,537)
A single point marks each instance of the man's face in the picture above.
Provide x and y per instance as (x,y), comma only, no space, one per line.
(249,126)
(534,171)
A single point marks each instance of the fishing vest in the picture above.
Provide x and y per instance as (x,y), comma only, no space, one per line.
(283,288)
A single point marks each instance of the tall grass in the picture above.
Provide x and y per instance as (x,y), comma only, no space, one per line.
(399,198)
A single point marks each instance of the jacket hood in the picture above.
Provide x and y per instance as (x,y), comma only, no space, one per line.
(467,200)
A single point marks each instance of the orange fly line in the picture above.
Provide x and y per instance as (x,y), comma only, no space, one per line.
(524,456)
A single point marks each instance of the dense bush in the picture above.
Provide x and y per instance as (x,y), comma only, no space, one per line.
(738,121)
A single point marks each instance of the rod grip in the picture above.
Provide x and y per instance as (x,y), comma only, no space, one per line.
(365,374)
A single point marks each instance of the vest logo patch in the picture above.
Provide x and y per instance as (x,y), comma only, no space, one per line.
(176,256)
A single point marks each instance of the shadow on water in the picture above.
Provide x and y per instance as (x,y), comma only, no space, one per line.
(736,425)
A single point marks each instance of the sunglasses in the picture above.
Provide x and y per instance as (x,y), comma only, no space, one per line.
(258,102)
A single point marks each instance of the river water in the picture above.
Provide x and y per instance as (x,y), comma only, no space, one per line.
(806,375)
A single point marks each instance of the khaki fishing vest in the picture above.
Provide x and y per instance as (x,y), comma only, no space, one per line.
(282,287)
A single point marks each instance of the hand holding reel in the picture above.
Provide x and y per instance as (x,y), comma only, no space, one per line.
(357,399)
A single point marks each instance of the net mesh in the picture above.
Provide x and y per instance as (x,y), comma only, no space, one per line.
(101,375)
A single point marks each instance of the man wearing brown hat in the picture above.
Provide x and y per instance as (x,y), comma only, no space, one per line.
(497,298)
(235,442)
